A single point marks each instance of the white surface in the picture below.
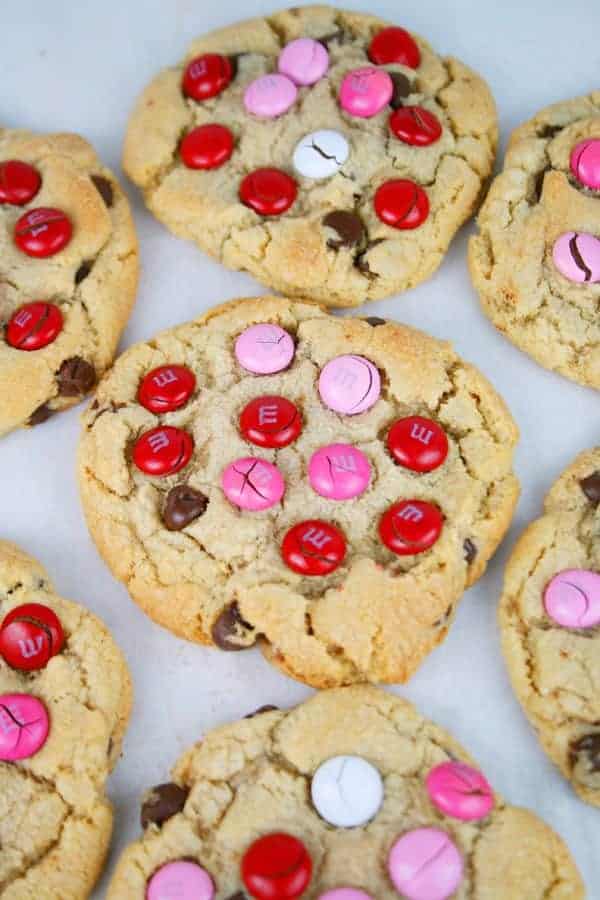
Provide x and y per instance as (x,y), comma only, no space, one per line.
(79,66)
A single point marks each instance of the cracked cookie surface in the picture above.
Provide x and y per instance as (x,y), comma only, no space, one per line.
(214,573)
(555,670)
(91,281)
(300,252)
(532,203)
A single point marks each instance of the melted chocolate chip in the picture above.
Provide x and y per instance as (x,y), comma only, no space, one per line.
(75,377)
(348,226)
(83,271)
(591,487)
(374,321)
(104,188)
(183,505)
(261,710)
(362,264)
(470,550)
(227,627)
(161,803)
(548,131)
(402,88)
(588,745)
(41,414)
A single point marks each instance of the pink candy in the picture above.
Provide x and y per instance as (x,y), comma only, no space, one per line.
(264,349)
(425,864)
(304,61)
(345,893)
(585,163)
(576,255)
(180,880)
(253,484)
(339,471)
(572,598)
(460,791)
(24,726)
(270,96)
(365,92)
(349,384)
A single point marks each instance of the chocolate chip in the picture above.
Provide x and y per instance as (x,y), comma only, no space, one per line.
(591,487)
(41,414)
(183,505)
(470,550)
(362,264)
(348,225)
(548,131)
(402,88)
(589,745)
(83,271)
(161,803)
(228,627)
(75,377)
(261,710)
(104,188)
(110,747)
(374,321)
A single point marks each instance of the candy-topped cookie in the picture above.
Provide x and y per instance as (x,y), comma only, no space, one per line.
(330,154)
(325,487)
(68,273)
(550,620)
(352,795)
(65,698)
(536,259)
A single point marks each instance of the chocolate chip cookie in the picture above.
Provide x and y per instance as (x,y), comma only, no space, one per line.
(65,697)
(536,259)
(328,153)
(68,273)
(325,487)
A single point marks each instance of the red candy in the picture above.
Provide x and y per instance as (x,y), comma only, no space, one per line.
(276,867)
(163,450)
(394,45)
(417,443)
(34,325)
(410,527)
(206,147)
(401,203)
(19,182)
(313,547)
(206,76)
(30,636)
(269,192)
(43,232)
(271,422)
(415,125)
(166,388)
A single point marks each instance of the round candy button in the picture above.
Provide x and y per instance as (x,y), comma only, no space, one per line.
(365,92)
(425,864)
(206,76)
(417,443)
(30,635)
(270,96)
(410,527)
(415,125)
(320,154)
(43,232)
(394,45)
(253,484)
(34,326)
(181,880)
(264,349)
(576,255)
(206,147)
(271,422)
(401,203)
(276,867)
(339,471)
(345,893)
(572,598)
(347,791)
(163,450)
(304,61)
(349,384)
(313,547)
(269,192)
(19,182)
(585,163)
(460,791)
(166,388)
(24,726)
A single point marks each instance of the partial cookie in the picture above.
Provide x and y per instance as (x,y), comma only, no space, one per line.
(68,273)
(350,796)
(326,486)
(536,259)
(327,153)
(65,697)
(550,620)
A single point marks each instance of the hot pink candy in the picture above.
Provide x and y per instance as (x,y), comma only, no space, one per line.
(270,96)
(264,349)
(349,384)
(339,471)
(585,162)
(180,880)
(304,61)
(576,255)
(365,92)
(572,598)
(24,726)
(425,864)
(253,484)
(345,893)
(460,791)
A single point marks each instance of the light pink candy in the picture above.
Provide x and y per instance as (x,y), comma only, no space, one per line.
(264,349)
(339,471)
(345,893)
(588,248)
(349,384)
(585,162)
(460,791)
(270,96)
(365,92)
(180,880)
(425,864)
(253,484)
(24,726)
(304,61)
(572,598)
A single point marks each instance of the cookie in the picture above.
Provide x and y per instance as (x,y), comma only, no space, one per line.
(328,153)
(351,796)
(68,273)
(65,697)
(550,621)
(325,487)
(536,259)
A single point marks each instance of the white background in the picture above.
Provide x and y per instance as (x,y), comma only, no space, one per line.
(79,66)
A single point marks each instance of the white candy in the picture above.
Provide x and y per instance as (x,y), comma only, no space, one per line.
(321,154)
(347,791)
